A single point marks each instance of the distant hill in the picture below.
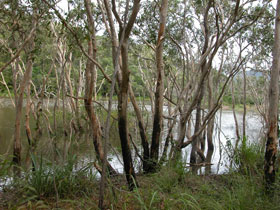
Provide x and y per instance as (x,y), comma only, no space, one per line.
(254,73)
(251,73)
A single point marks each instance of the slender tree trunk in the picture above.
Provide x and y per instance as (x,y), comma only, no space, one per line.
(122,117)
(19,101)
(40,106)
(210,126)
(89,90)
(203,135)
(69,83)
(142,130)
(123,79)
(244,104)
(272,135)
(28,107)
(193,157)
(158,116)
(8,89)
(234,116)
(30,139)
(57,102)
(78,92)
(203,69)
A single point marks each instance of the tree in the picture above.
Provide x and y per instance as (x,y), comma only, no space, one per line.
(90,86)
(24,84)
(123,95)
(272,134)
(158,115)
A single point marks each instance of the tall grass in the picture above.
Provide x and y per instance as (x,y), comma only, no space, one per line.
(49,180)
(247,158)
(67,186)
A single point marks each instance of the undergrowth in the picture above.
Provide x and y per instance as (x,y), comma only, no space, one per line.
(69,186)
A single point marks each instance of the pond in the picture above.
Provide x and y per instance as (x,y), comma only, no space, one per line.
(59,147)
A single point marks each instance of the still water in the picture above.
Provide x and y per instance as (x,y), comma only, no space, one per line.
(81,145)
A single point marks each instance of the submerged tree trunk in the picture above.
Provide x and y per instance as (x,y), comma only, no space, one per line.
(272,135)
(19,100)
(19,105)
(28,105)
(193,157)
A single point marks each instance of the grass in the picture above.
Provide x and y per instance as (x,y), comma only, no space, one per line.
(66,186)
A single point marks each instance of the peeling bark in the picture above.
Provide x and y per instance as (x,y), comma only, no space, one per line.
(272,135)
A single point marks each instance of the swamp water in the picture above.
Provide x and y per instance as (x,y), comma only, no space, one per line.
(81,146)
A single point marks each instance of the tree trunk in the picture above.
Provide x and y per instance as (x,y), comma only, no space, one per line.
(272,135)
(157,124)
(234,116)
(122,117)
(204,67)
(89,90)
(210,126)
(244,105)
(19,101)
(142,130)
(193,158)
(123,95)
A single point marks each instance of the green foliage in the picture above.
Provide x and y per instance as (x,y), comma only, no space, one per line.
(228,191)
(248,157)
(4,166)
(142,201)
(163,190)
(49,179)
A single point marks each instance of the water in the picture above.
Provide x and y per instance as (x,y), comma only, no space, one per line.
(82,145)
(225,131)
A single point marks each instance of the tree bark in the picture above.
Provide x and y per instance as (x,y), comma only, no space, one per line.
(272,134)
(19,100)
(142,130)
(244,105)
(89,90)
(210,126)
(123,98)
(204,67)
(122,117)
(234,117)
(158,116)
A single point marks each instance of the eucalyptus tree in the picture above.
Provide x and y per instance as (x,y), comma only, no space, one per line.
(197,32)
(120,48)
(181,49)
(158,114)
(90,86)
(23,22)
(272,134)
